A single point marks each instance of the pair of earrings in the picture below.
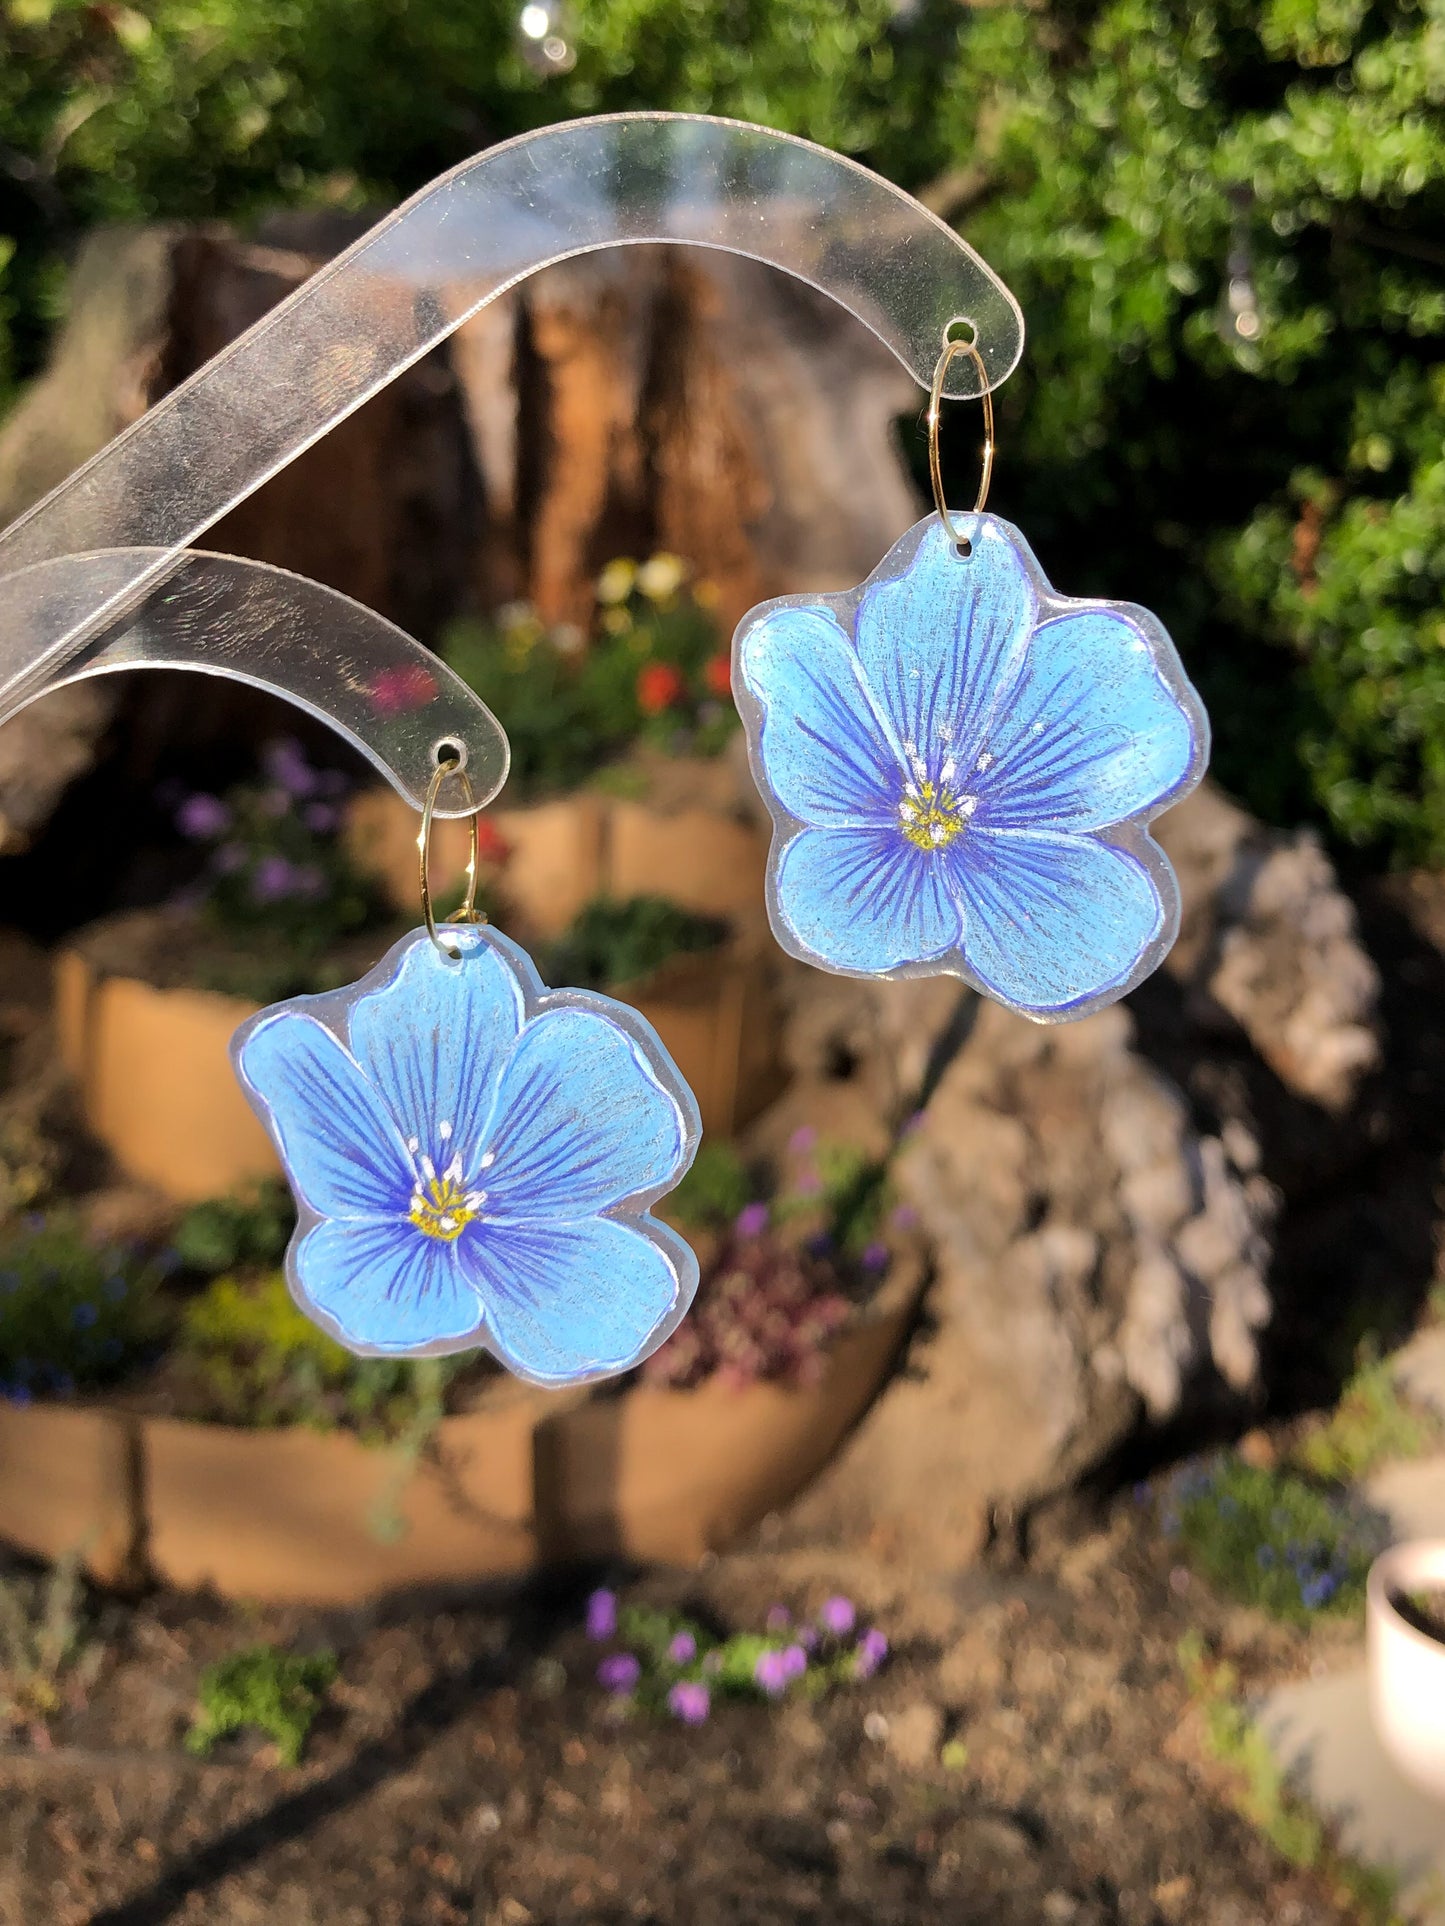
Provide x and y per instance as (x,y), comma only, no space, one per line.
(961,767)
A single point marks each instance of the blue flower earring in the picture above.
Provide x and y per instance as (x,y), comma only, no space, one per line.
(474,1156)
(961,766)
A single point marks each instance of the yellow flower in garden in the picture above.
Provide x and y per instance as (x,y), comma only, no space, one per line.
(661,576)
(616,621)
(616,581)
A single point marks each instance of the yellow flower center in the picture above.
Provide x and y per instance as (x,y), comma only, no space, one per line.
(440,1207)
(931,814)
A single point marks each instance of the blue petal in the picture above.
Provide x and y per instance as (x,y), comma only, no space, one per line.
(942,642)
(866,899)
(387,1287)
(1089,734)
(581,1123)
(826,756)
(434,1040)
(567,1302)
(1051,921)
(341,1147)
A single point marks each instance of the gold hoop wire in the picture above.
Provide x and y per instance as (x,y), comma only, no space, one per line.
(468,913)
(951,350)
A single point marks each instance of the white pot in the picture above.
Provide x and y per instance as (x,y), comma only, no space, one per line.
(1407,1669)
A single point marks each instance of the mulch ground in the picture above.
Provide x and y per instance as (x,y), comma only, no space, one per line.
(468,1771)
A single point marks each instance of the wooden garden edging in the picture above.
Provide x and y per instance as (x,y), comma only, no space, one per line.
(529,1478)
(573,848)
(153,1070)
(156,1087)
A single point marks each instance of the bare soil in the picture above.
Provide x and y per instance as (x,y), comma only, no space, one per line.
(468,1771)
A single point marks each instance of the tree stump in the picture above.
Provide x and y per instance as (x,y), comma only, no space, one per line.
(651,398)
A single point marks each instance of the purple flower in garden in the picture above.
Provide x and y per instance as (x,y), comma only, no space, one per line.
(803,1139)
(320,818)
(752,1220)
(904,1217)
(771,1673)
(683,1649)
(203,818)
(779,1618)
(869,1653)
(602,1614)
(286,765)
(875,1257)
(838,1616)
(273,880)
(795,1661)
(619,1672)
(689,1701)
(808,1638)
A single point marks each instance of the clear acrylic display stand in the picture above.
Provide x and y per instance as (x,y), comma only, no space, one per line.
(100,575)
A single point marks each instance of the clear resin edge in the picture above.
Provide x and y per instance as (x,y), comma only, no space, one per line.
(474,1158)
(961,766)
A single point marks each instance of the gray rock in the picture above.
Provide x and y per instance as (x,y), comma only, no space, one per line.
(1268,940)
(1094,1254)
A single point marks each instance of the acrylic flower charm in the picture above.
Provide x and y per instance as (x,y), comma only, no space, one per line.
(961,766)
(473,1158)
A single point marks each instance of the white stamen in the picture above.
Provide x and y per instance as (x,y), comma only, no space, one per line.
(453,1171)
(447,1223)
(985,762)
(946,773)
(488,1160)
(936,833)
(444,1130)
(1037,730)
(966,806)
(474,1199)
(911,789)
(413,1144)
(429,1170)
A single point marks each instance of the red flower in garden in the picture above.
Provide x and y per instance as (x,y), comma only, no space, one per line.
(658,687)
(719,675)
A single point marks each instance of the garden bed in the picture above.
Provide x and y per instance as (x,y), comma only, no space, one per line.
(524,1478)
(208,1435)
(669,827)
(150,1050)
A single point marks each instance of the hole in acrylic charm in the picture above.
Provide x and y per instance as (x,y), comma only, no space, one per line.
(961,766)
(474,1159)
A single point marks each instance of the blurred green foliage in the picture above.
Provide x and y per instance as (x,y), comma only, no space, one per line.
(656,672)
(608,942)
(1223,219)
(261,1361)
(1290,1545)
(72,1314)
(250,1226)
(714,1189)
(275,1692)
